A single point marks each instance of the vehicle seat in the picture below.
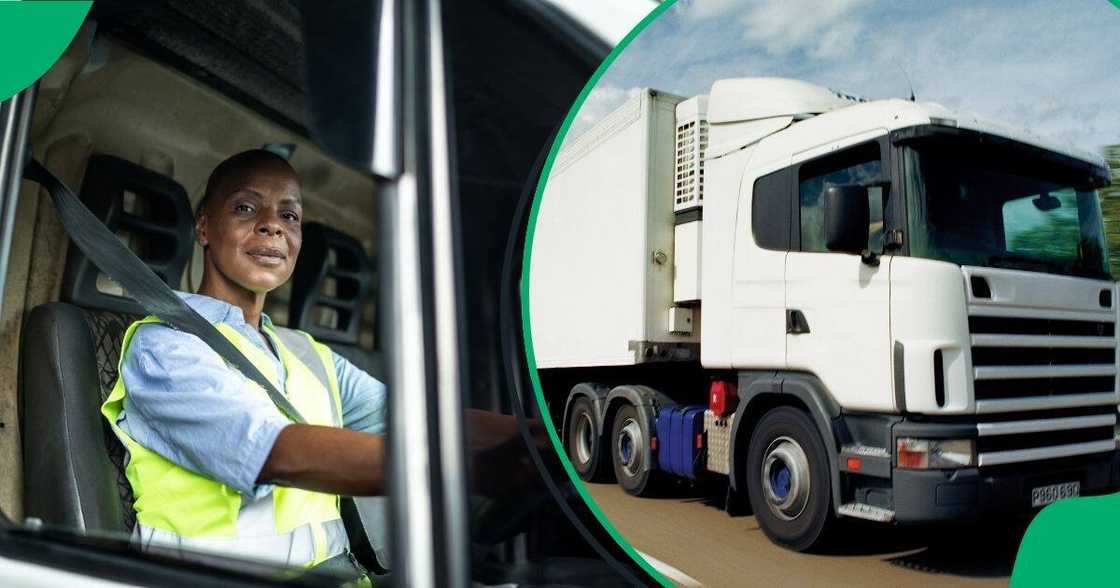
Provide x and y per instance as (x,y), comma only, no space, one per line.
(331,283)
(73,463)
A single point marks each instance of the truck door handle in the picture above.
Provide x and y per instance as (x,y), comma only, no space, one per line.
(795,322)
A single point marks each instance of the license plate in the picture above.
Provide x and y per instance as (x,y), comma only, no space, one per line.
(1044,495)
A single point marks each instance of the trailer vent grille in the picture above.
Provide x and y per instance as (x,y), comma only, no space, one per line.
(688,177)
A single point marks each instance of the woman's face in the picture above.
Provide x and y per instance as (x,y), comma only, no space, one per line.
(252,228)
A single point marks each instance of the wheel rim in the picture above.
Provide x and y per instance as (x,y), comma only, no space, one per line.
(785,478)
(629,444)
(585,431)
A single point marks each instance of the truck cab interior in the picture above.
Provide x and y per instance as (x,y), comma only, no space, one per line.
(142,105)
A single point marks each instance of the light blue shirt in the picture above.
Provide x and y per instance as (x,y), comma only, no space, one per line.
(187,405)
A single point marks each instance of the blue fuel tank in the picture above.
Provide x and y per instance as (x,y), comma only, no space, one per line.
(679,440)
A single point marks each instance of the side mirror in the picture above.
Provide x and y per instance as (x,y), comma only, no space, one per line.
(352,56)
(846,218)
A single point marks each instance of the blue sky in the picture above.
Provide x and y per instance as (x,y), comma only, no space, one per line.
(1048,65)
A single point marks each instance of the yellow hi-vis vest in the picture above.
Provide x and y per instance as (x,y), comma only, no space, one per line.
(190,511)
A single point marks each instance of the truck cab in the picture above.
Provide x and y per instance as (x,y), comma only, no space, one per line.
(978,307)
(926,291)
(135,114)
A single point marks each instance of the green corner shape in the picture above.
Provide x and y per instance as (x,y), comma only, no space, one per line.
(527,257)
(1070,543)
(33,35)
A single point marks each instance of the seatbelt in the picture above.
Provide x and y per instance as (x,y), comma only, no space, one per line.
(119,263)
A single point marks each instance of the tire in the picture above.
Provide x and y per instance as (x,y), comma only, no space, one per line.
(788,480)
(631,453)
(587,449)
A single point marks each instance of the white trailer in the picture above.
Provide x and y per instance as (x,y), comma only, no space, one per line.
(629,219)
(883,310)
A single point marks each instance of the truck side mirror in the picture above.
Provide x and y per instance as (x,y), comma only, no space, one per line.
(846,218)
(352,58)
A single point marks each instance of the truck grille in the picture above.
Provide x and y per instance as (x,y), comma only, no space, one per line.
(1045,388)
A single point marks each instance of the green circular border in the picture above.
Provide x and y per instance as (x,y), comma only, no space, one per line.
(1034,565)
(530,358)
(33,35)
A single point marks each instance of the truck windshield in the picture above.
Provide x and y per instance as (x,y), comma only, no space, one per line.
(984,206)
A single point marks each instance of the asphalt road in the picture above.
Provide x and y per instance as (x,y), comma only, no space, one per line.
(692,534)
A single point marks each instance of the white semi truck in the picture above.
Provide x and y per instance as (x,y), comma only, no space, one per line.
(874,309)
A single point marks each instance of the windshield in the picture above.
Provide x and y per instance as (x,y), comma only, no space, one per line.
(986,206)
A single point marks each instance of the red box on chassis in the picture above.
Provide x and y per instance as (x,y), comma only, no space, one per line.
(722,398)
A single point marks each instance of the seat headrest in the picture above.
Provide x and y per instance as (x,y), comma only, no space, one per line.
(150,212)
(331,281)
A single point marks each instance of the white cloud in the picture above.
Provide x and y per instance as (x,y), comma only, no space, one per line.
(821,29)
(701,10)
(602,100)
(1033,63)
(1038,65)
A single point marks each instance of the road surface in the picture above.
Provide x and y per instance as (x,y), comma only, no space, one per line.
(692,534)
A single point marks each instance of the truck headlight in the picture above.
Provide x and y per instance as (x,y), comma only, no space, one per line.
(935,454)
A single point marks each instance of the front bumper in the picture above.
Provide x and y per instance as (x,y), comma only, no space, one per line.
(970,494)
(922,496)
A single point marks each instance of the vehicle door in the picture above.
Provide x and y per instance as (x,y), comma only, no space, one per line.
(376,100)
(838,304)
(391,117)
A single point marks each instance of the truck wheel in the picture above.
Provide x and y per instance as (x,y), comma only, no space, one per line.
(788,479)
(585,446)
(630,452)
